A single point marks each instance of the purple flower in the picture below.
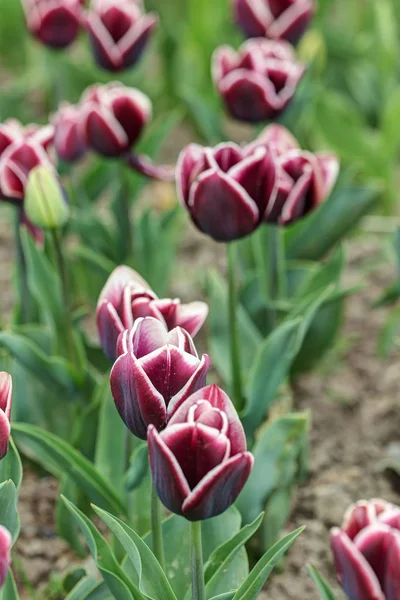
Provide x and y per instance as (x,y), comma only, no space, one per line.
(226,189)
(274,19)
(304,181)
(367,551)
(119,32)
(55,23)
(114,117)
(5,558)
(199,463)
(126,297)
(156,371)
(5,415)
(69,141)
(257,82)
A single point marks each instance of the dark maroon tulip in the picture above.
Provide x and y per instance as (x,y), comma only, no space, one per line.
(55,23)
(5,413)
(199,463)
(69,141)
(126,297)
(156,371)
(367,551)
(5,558)
(305,179)
(226,189)
(114,117)
(13,131)
(119,32)
(257,82)
(274,19)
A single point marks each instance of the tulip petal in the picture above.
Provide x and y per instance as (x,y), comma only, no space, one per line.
(257,175)
(109,327)
(219,488)
(390,516)
(191,316)
(103,132)
(196,381)
(225,156)
(279,137)
(134,42)
(5,430)
(373,543)
(5,559)
(224,60)
(6,393)
(132,110)
(137,400)
(148,335)
(168,478)
(115,284)
(220,400)
(188,161)
(391,584)
(58,26)
(330,166)
(180,338)
(355,574)
(222,208)
(357,517)
(292,23)
(252,16)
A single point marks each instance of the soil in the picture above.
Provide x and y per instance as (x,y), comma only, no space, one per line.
(353,398)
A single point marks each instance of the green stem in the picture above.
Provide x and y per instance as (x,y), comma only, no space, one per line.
(280,263)
(23,288)
(198,586)
(236,374)
(156,528)
(123,212)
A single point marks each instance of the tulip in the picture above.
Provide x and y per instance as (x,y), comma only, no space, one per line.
(45,204)
(5,558)
(113,118)
(305,179)
(119,32)
(367,551)
(5,412)
(226,189)
(156,371)
(199,463)
(55,23)
(126,297)
(69,141)
(12,131)
(274,19)
(257,82)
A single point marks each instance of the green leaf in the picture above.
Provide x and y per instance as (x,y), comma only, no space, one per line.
(322,585)
(390,122)
(250,589)
(11,466)
(138,468)
(151,578)
(313,237)
(206,118)
(90,589)
(67,527)
(226,596)
(8,508)
(219,561)
(119,584)
(57,456)
(9,590)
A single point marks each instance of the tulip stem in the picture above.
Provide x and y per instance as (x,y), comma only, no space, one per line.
(23,288)
(156,528)
(236,373)
(198,586)
(122,211)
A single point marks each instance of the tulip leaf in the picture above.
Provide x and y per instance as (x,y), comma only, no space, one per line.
(390,121)
(216,567)
(226,596)
(58,457)
(89,588)
(119,584)
(9,590)
(313,237)
(252,586)
(151,578)
(11,466)
(67,527)
(321,584)
(138,469)
(8,508)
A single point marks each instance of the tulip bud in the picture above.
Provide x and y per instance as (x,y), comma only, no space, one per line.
(45,200)
(226,189)
(5,558)
(367,551)
(113,118)
(69,141)
(258,82)
(199,463)
(126,297)
(274,19)
(5,412)
(55,23)
(119,32)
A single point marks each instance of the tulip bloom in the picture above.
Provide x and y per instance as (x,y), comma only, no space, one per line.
(199,463)
(156,371)
(367,551)
(5,412)
(5,558)
(126,297)
(274,19)
(226,189)
(257,82)
(69,141)
(119,32)
(304,181)
(55,23)
(113,118)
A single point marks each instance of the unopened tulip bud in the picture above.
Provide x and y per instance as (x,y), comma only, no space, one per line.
(45,200)
(5,411)
(55,23)
(5,558)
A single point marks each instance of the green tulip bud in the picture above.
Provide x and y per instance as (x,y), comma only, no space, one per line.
(45,199)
